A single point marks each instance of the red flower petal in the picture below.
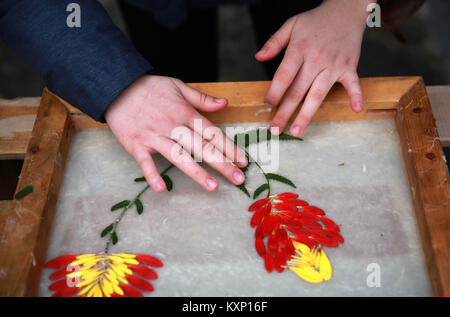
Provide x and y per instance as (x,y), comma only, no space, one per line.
(143,285)
(276,221)
(268,262)
(130,291)
(268,210)
(308,240)
(280,260)
(149,260)
(287,195)
(327,242)
(143,271)
(282,237)
(313,209)
(59,274)
(289,213)
(310,224)
(330,224)
(301,203)
(286,206)
(289,221)
(116,295)
(260,247)
(257,217)
(267,226)
(309,215)
(258,232)
(272,243)
(334,235)
(59,285)
(290,249)
(258,204)
(61,261)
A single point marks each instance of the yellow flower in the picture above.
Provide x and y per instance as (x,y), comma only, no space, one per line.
(102,275)
(312,265)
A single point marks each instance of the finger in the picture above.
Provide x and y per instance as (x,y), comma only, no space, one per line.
(350,81)
(205,151)
(283,77)
(201,101)
(319,90)
(183,160)
(148,168)
(292,98)
(276,42)
(218,139)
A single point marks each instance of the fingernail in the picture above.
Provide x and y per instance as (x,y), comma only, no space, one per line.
(268,105)
(211,183)
(296,130)
(242,162)
(275,130)
(219,100)
(359,106)
(238,177)
(262,50)
(158,186)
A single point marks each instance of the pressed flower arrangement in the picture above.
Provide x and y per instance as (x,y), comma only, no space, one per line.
(290,234)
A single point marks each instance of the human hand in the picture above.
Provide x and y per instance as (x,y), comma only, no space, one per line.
(322,47)
(144,117)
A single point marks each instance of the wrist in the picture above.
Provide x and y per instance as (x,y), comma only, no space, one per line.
(356,10)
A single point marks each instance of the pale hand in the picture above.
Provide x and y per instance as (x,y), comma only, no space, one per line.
(145,115)
(322,47)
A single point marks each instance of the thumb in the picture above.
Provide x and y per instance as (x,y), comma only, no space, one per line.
(277,42)
(201,101)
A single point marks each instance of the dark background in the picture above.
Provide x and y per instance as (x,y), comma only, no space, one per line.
(427,52)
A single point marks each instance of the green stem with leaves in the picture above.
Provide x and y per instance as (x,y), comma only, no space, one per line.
(111,229)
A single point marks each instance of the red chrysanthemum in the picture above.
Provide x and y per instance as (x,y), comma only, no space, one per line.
(282,219)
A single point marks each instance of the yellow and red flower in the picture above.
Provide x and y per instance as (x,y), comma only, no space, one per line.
(286,225)
(102,275)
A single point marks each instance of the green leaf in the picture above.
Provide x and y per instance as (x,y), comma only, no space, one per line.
(140,179)
(245,169)
(287,137)
(122,204)
(27,190)
(281,179)
(107,230)
(168,181)
(260,189)
(114,238)
(139,206)
(260,135)
(244,189)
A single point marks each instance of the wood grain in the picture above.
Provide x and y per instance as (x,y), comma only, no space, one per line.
(429,182)
(25,231)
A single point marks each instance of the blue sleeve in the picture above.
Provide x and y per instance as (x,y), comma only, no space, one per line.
(89,66)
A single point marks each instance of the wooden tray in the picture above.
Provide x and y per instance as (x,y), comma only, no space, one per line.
(25,225)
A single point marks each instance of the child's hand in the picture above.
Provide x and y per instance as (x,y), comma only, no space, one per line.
(322,47)
(144,116)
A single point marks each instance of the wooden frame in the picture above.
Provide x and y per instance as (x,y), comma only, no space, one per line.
(25,224)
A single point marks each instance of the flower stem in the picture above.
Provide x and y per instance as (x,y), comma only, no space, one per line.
(262,170)
(133,202)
